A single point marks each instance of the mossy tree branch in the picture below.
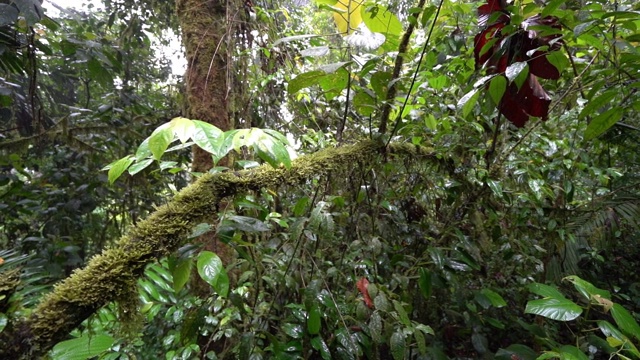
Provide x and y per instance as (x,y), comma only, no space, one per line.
(112,275)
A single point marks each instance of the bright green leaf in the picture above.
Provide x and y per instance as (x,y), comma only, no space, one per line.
(82,348)
(495,298)
(139,166)
(554,308)
(117,168)
(209,267)
(402,313)
(305,80)
(159,142)
(545,290)
(497,87)
(586,288)
(314,320)
(210,139)
(183,128)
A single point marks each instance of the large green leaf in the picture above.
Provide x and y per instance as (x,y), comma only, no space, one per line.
(159,141)
(494,298)
(82,348)
(553,308)
(497,87)
(118,167)
(603,122)
(211,270)
(305,80)
(210,139)
(626,322)
(319,344)
(272,151)
(613,333)
(586,288)
(139,166)
(183,128)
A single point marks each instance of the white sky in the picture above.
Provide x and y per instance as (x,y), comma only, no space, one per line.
(173,52)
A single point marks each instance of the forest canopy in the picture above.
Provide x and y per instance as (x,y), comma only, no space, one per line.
(328,179)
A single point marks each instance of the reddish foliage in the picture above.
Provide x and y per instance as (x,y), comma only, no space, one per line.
(500,45)
(362,286)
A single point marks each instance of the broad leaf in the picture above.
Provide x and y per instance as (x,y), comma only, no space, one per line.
(82,348)
(139,166)
(586,288)
(211,270)
(118,167)
(210,139)
(183,128)
(625,321)
(553,308)
(347,15)
(159,142)
(603,122)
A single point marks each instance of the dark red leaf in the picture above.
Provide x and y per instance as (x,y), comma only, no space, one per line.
(541,67)
(535,100)
(511,108)
(530,100)
(486,42)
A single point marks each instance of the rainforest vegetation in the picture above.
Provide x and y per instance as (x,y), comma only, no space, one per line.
(327,179)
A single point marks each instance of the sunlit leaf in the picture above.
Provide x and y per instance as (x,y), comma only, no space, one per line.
(586,288)
(211,270)
(159,142)
(183,128)
(347,15)
(210,139)
(118,167)
(514,70)
(305,80)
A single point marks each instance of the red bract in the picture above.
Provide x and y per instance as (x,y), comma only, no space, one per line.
(500,45)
